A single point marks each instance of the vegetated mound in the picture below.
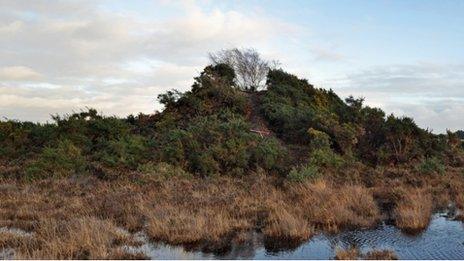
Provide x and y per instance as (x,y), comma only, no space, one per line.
(290,129)
(308,161)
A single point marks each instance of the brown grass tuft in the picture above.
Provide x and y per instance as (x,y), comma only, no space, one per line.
(413,211)
(351,253)
(333,208)
(380,255)
(284,226)
(81,238)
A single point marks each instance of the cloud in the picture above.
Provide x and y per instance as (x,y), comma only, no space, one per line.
(18,73)
(70,54)
(60,57)
(322,54)
(432,94)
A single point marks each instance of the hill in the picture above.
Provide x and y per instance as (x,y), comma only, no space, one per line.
(217,165)
(216,128)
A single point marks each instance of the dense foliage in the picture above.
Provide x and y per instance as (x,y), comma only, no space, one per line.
(207,131)
(296,111)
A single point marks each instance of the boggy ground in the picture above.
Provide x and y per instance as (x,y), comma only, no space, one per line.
(87,217)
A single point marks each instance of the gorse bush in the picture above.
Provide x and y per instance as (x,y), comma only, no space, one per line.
(63,160)
(431,166)
(270,155)
(326,158)
(319,139)
(21,139)
(128,151)
(221,143)
(291,105)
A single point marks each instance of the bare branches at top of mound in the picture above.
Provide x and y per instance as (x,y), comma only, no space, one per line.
(250,68)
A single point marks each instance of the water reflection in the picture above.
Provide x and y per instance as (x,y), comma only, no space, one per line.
(443,239)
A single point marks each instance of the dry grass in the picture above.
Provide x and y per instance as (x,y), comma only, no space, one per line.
(351,253)
(333,208)
(81,218)
(380,255)
(413,211)
(80,238)
(284,225)
(459,199)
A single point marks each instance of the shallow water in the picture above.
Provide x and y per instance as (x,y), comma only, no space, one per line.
(443,239)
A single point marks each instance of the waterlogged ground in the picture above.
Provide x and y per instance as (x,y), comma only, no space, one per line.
(443,239)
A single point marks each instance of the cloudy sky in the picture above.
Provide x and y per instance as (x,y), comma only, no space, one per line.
(406,57)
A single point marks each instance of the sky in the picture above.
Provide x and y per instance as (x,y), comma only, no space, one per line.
(57,57)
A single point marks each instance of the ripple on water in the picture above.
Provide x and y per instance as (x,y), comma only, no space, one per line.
(443,239)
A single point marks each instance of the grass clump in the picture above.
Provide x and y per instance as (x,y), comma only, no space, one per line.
(162,169)
(380,255)
(80,238)
(413,211)
(351,253)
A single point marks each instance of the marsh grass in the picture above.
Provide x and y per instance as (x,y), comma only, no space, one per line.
(90,218)
(413,211)
(380,255)
(351,253)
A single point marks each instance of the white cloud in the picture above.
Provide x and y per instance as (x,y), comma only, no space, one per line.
(116,62)
(432,94)
(18,73)
(60,57)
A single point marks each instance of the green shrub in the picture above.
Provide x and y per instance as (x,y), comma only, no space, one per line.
(162,169)
(63,160)
(291,105)
(319,139)
(128,151)
(208,145)
(431,165)
(303,173)
(23,139)
(326,158)
(270,155)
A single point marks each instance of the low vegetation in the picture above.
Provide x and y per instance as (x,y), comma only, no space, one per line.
(353,253)
(221,160)
(414,210)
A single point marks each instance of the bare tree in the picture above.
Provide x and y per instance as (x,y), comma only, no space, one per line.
(250,69)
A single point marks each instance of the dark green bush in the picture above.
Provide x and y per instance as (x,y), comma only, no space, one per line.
(19,140)
(63,160)
(209,144)
(270,155)
(219,143)
(291,105)
(127,152)
(326,158)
